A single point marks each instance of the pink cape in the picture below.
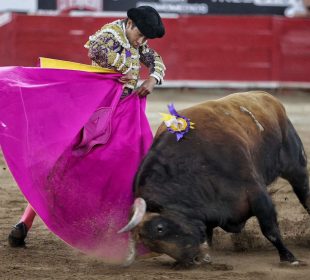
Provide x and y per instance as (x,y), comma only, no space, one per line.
(73,148)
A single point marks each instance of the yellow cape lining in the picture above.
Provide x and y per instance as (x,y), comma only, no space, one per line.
(68,65)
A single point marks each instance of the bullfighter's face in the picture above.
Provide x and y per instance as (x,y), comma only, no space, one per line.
(133,34)
(169,234)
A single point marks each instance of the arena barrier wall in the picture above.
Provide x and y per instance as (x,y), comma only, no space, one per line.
(197,50)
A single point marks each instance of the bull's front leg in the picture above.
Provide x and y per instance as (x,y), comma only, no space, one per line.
(264,210)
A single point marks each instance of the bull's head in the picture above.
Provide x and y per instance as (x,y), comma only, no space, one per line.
(168,233)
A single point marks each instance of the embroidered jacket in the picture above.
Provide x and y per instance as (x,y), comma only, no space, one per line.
(110,48)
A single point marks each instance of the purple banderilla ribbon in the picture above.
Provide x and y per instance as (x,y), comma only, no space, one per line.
(179,134)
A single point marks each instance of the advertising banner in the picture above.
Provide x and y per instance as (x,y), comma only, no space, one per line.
(18,6)
(190,7)
(87,5)
(204,7)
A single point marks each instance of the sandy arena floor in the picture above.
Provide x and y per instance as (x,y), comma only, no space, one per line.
(244,256)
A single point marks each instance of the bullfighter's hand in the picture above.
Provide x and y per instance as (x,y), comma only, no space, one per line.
(126,78)
(146,87)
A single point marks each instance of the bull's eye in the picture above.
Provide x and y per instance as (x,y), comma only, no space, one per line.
(160,228)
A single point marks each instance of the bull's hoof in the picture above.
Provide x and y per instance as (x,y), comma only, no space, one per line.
(205,260)
(196,262)
(17,235)
(182,266)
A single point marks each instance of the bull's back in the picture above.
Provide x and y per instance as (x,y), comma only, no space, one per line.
(247,116)
(233,135)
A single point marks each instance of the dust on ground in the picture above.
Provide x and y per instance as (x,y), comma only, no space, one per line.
(243,256)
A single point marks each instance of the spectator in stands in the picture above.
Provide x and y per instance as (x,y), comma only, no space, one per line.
(307,7)
(120,45)
(298,8)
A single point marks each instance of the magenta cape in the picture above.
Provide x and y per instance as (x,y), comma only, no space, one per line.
(73,148)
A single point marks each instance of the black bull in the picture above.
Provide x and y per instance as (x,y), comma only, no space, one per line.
(217,176)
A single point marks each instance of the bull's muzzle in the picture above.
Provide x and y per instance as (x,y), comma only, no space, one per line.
(139,209)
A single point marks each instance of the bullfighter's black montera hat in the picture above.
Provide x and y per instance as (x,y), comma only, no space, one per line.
(148,21)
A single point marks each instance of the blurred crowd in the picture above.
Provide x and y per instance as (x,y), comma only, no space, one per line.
(298,8)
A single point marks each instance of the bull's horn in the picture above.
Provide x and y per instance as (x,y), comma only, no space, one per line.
(139,208)
(131,253)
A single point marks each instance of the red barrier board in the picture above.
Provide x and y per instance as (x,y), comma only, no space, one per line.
(204,48)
